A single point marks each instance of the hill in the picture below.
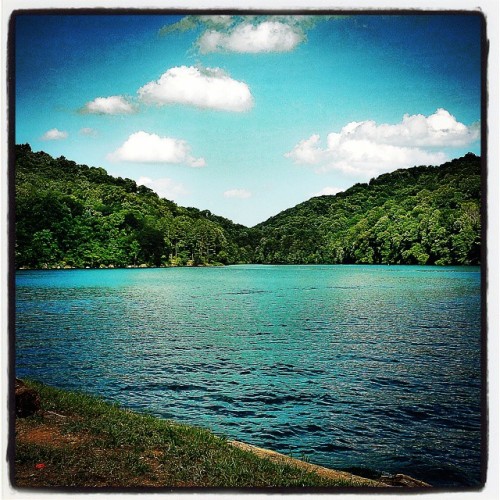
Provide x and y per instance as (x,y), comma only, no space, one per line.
(420,215)
(70,215)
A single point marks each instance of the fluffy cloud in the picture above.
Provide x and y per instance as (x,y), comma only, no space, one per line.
(114,105)
(268,36)
(308,151)
(164,187)
(330,191)
(440,129)
(367,149)
(142,147)
(54,135)
(209,88)
(237,193)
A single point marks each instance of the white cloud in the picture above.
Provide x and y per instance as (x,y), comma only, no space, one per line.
(248,33)
(307,151)
(367,149)
(440,129)
(164,187)
(237,193)
(90,132)
(113,105)
(142,147)
(209,88)
(54,135)
(328,191)
(268,36)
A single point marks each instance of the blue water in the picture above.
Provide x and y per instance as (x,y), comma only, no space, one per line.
(350,366)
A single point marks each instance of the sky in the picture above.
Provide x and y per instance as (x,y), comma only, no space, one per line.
(249,115)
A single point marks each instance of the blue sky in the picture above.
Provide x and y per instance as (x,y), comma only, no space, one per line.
(248,116)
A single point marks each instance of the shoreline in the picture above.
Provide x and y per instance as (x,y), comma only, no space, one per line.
(58,431)
(144,266)
(382,482)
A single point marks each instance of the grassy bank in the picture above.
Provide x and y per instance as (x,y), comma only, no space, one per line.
(77,440)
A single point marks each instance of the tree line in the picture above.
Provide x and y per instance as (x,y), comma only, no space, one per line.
(69,215)
(420,215)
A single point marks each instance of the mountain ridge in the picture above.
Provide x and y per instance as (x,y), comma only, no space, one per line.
(70,215)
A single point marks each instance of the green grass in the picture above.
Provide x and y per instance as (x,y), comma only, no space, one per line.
(84,441)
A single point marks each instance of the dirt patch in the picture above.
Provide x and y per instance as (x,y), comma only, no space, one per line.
(46,434)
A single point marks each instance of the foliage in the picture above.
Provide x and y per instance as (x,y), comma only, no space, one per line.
(421,215)
(70,215)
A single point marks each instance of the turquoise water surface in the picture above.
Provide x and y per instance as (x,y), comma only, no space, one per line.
(374,367)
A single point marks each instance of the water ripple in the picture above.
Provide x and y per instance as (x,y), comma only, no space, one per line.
(352,366)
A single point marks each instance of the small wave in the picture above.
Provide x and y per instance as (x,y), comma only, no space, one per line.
(283,432)
(310,428)
(176,387)
(275,399)
(215,408)
(332,447)
(281,368)
(416,414)
(345,287)
(240,413)
(385,381)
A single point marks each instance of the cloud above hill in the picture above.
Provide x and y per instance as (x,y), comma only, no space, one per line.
(89,132)
(268,36)
(237,193)
(54,135)
(113,105)
(367,149)
(206,88)
(328,191)
(164,187)
(142,147)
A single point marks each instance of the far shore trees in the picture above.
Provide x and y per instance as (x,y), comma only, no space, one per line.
(70,215)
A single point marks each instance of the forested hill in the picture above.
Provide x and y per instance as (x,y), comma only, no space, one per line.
(420,215)
(70,215)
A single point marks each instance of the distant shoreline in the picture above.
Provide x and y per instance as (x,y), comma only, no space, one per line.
(144,266)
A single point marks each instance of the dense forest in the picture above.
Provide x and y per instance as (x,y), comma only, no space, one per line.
(70,215)
(420,215)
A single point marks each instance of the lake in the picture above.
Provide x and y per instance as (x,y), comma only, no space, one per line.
(373,367)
